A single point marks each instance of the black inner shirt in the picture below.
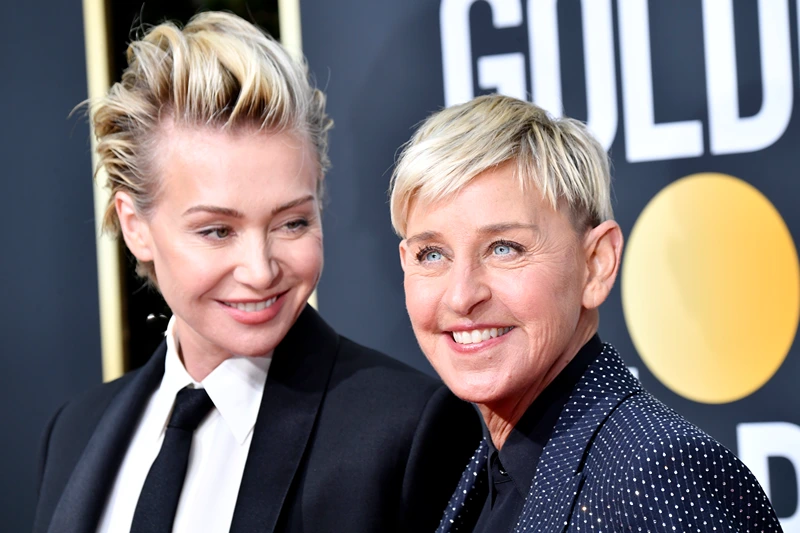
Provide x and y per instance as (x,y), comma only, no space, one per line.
(511,469)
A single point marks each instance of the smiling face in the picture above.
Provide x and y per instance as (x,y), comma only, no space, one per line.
(235,238)
(498,288)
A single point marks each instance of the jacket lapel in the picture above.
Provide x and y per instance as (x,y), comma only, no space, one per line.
(464,507)
(296,384)
(559,476)
(84,497)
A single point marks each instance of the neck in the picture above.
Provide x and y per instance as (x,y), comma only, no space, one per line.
(501,417)
(198,361)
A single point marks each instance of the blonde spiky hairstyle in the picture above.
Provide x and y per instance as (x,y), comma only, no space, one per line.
(559,157)
(218,71)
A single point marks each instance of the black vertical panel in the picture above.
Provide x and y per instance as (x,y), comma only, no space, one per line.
(49,332)
(380,64)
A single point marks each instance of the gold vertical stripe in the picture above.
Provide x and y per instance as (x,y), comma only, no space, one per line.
(289,21)
(292,40)
(98,74)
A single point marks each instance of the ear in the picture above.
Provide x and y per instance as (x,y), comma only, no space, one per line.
(135,229)
(603,248)
(403,248)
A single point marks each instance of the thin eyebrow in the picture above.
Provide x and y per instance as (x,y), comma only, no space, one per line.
(217,210)
(424,236)
(293,203)
(233,213)
(485,230)
(506,226)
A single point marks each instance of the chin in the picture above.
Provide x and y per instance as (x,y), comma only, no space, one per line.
(253,348)
(481,388)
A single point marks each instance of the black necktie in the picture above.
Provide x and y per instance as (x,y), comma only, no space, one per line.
(158,500)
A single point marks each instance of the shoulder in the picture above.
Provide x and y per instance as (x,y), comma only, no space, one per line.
(379,374)
(64,440)
(374,392)
(663,471)
(412,433)
(80,414)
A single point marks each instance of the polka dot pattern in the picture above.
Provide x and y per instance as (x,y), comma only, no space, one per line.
(620,460)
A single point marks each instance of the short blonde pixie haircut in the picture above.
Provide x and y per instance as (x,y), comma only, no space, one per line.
(557,156)
(219,71)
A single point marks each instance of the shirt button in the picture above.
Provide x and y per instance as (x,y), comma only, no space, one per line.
(501,470)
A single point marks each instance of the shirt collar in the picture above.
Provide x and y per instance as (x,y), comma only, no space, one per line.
(523,448)
(235,386)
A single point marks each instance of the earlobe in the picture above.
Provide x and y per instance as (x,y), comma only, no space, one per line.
(135,230)
(603,245)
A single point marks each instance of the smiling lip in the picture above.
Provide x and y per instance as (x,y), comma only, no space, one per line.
(473,338)
(253,312)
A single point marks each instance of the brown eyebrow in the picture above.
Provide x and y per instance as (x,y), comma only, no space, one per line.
(233,213)
(293,203)
(224,211)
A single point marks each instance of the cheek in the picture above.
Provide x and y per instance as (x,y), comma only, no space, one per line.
(302,257)
(539,297)
(190,273)
(422,302)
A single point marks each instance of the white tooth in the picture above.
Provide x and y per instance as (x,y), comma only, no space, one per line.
(457,337)
(486,335)
(493,332)
(250,307)
(241,307)
(476,336)
(271,301)
(260,306)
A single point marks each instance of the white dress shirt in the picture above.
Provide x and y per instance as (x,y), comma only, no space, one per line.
(219,446)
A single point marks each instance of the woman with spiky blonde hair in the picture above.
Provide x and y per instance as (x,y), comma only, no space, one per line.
(253,414)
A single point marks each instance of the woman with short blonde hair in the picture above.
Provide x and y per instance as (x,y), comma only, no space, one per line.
(508,249)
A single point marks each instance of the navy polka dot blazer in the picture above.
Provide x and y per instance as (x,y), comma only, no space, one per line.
(620,460)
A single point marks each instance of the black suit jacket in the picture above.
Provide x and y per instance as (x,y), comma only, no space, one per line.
(346,440)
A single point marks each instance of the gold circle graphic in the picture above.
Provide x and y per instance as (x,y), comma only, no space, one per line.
(711,288)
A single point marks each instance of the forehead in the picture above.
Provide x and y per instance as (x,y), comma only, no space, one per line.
(493,197)
(243,165)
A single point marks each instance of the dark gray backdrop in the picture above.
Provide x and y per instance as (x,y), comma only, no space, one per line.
(49,333)
(381,65)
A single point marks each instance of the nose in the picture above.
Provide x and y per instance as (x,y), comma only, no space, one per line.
(256,266)
(466,289)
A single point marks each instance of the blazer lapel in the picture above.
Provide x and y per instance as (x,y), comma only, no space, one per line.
(296,384)
(84,497)
(559,476)
(464,507)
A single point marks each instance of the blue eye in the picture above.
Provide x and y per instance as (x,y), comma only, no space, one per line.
(433,256)
(429,255)
(503,248)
